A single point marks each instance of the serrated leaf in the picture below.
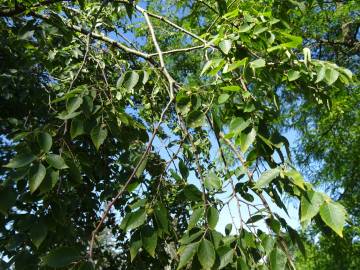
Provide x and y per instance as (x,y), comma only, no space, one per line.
(195,217)
(133,220)
(98,136)
(331,75)
(225,45)
(77,128)
(258,63)
(61,257)
(206,254)
(212,217)
(187,254)
(45,141)
(266,177)
(247,139)
(293,75)
(310,205)
(38,233)
(212,182)
(20,160)
(56,161)
(37,174)
(334,215)
(73,104)
(277,259)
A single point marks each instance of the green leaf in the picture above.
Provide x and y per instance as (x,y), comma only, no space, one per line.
(65,115)
(73,104)
(183,169)
(231,88)
(133,220)
(223,98)
(293,75)
(45,141)
(245,27)
(50,180)
(141,168)
(187,254)
(320,74)
(225,46)
(38,233)
(56,161)
(225,255)
(238,124)
(212,182)
(310,205)
(77,127)
(161,215)
(37,174)
(258,63)
(86,266)
(98,136)
(277,259)
(7,199)
(296,178)
(135,245)
(254,219)
(331,75)
(195,217)
(206,254)
(247,139)
(228,229)
(149,240)
(212,217)
(267,177)
(236,64)
(195,119)
(20,160)
(128,80)
(61,257)
(334,215)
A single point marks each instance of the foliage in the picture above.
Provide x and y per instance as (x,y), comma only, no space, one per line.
(111,114)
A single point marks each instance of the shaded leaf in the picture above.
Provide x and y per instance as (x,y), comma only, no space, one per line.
(45,141)
(61,257)
(149,240)
(38,233)
(187,254)
(20,160)
(56,161)
(37,174)
(98,136)
(277,259)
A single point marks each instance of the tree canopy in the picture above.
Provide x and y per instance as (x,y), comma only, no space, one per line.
(128,127)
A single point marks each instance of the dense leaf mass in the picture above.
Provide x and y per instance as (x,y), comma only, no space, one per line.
(130,130)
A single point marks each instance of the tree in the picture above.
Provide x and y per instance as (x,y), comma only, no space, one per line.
(111,114)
